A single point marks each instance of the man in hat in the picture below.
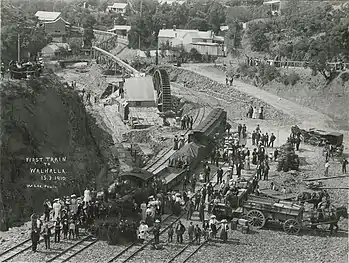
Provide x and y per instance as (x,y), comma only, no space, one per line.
(224,230)
(47,209)
(191,231)
(58,230)
(180,229)
(156,231)
(46,234)
(213,226)
(35,236)
(181,141)
(175,143)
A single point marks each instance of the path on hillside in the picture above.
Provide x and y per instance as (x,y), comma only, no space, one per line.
(307,117)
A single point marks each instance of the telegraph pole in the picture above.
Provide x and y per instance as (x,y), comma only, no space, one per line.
(18,47)
(139,35)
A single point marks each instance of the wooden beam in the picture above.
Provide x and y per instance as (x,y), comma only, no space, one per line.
(326,178)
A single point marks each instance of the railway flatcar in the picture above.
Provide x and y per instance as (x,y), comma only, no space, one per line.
(211,128)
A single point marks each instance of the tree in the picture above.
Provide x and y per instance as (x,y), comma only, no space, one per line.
(198,23)
(319,54)
(259,41)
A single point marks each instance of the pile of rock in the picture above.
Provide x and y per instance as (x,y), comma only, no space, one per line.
(288,159)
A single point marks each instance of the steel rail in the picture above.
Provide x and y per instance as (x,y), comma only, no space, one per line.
(2,259)
(195,251)
(89,237)
(134,243)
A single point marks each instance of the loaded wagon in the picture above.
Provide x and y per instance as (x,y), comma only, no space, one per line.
(291,215)
(232,208)
(260,210)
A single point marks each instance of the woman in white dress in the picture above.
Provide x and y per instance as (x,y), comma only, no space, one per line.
(87,196)
(254,113)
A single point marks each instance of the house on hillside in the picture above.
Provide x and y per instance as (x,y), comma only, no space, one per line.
(205,42)
(119,8)
(275,7)
(120,30)
(54,25)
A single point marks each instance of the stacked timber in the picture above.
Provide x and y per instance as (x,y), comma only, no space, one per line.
(288,160)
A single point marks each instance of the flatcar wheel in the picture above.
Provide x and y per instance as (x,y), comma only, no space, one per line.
(292,226)
(256,219)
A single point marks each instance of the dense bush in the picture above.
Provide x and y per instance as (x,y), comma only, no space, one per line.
(289,79)
(267,73)
(344,76)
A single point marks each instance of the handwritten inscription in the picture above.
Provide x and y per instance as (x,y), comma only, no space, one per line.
(47,170)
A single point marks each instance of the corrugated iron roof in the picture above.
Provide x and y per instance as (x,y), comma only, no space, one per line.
(181,33)
(47,16)
(205,44)
(271,2)
(59,18)
(118,5)
(120,27)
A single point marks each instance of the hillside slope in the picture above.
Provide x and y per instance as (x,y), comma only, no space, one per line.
(41,118)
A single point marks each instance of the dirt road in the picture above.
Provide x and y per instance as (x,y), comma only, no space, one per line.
(308,118)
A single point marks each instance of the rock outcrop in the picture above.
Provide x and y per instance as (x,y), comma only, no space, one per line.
(43,118)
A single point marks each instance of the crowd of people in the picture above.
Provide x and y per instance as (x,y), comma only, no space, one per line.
(187,122)
(253,113)
(68,215)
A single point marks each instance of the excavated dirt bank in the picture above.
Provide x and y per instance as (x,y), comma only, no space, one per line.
(239,100)
(42,118)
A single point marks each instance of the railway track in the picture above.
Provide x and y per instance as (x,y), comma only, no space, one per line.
(18,249)
(133,254)
(74,249)
(187,252)
(132,250)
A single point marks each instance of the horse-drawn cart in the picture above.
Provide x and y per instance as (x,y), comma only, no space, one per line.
(291,215)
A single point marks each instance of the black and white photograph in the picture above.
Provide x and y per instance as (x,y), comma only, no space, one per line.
(174,131)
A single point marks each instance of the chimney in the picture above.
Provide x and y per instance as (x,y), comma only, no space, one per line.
(163,26)
(174,27)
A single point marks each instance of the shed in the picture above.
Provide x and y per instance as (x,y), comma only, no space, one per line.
(139,92)
(120,29)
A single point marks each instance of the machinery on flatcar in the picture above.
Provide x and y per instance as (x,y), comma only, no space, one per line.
(211,129)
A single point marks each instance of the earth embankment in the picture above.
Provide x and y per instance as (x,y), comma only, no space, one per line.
(43,118)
